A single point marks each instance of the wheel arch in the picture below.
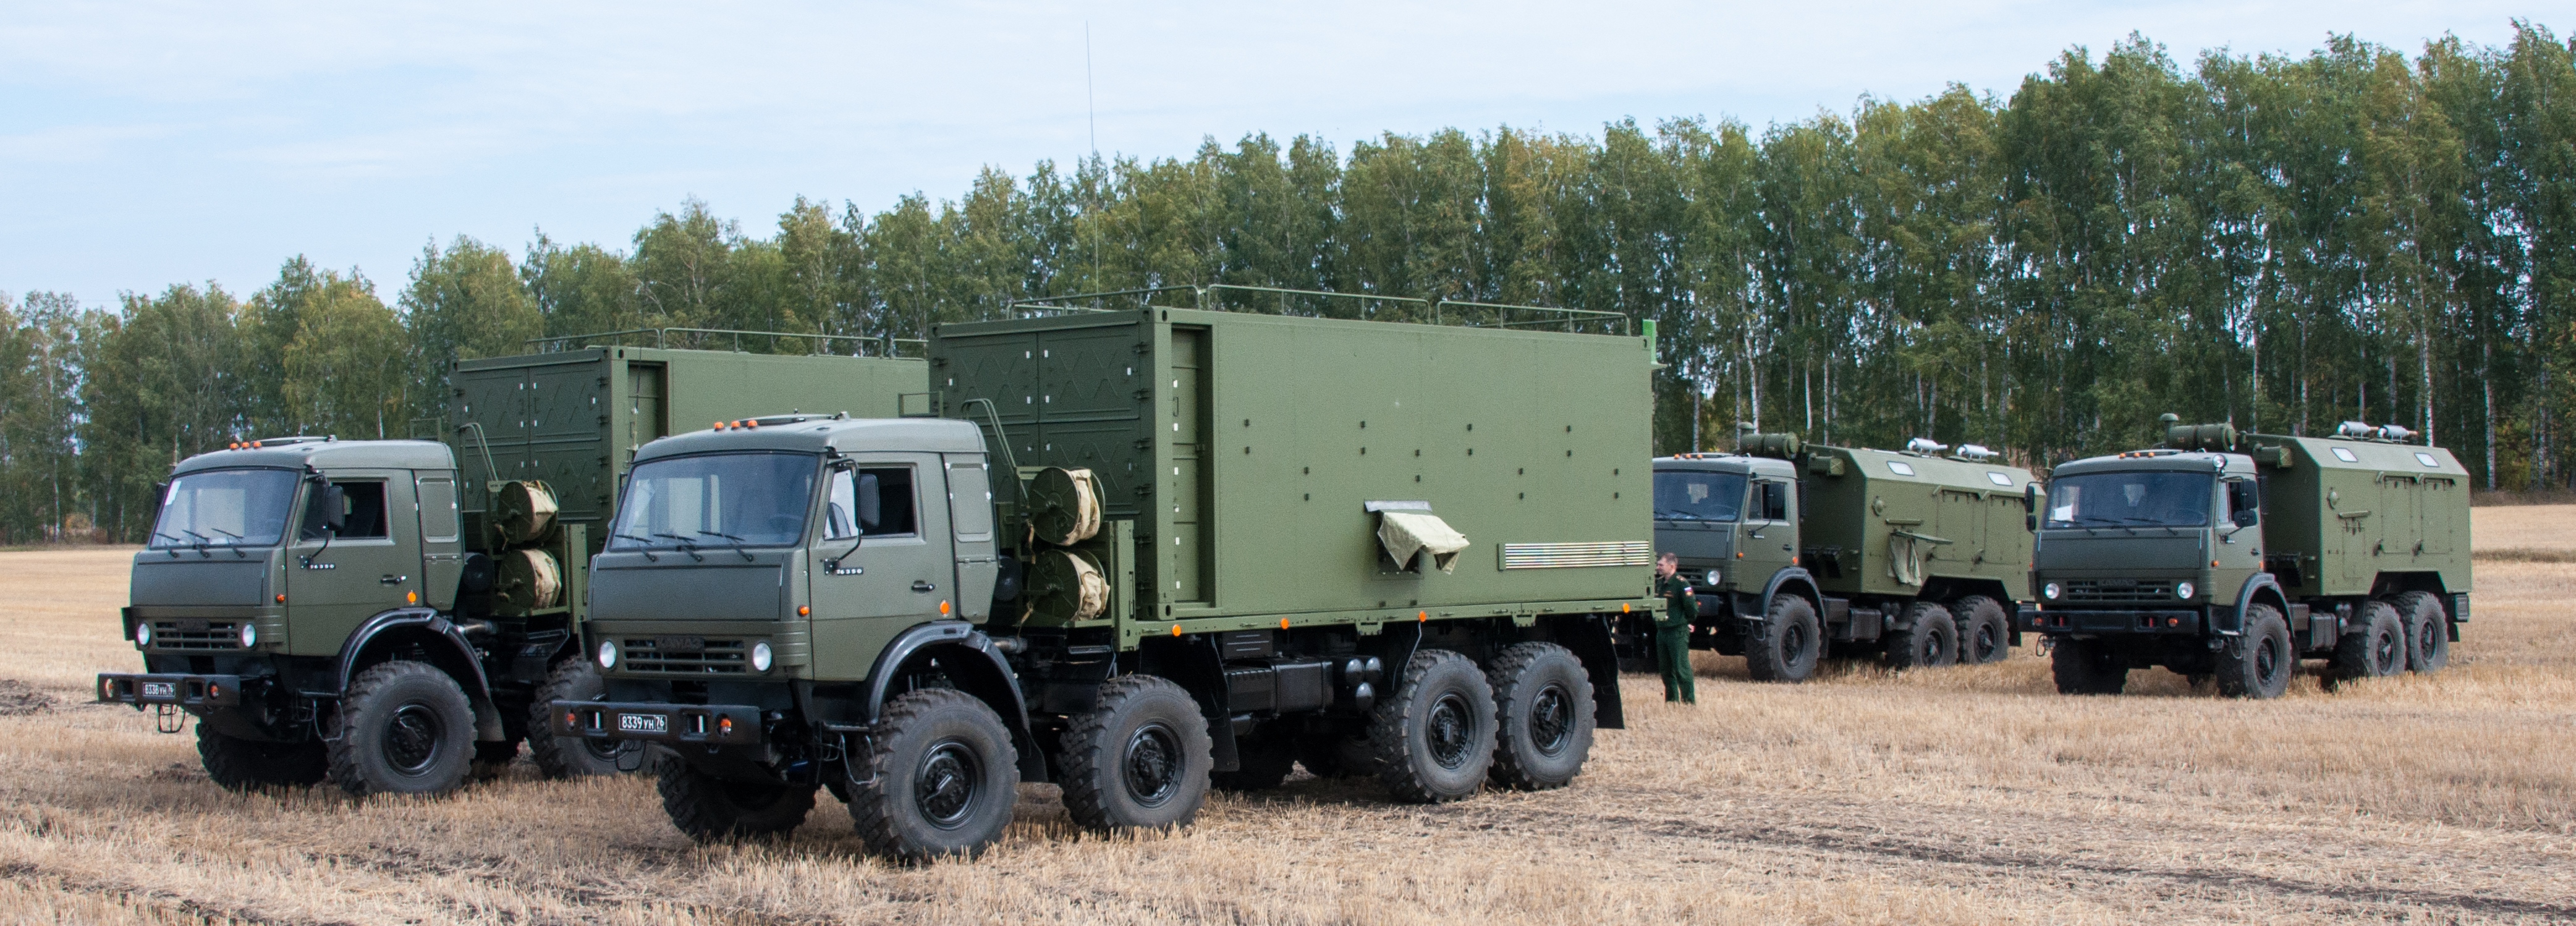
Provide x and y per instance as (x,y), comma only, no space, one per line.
(1792,580)
(974,665)
(440,642)
(2261,589)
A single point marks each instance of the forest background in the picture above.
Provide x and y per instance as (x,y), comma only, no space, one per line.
(2285,242)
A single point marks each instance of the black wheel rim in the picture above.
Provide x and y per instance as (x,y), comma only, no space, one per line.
(411,738)
(1551,722)
(2267,661)
(1793,642)
(1985,641)
(945,784)
(1152,768)
(1448,731)
(2388,656)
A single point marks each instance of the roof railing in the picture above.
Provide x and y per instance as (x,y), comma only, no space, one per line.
(1322,304)
(886,346)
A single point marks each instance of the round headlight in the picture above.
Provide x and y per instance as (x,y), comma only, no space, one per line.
(608,654)
(1716,577)
(143,633)
(2184,590)
(2050,591)
(249,634)
(760,656)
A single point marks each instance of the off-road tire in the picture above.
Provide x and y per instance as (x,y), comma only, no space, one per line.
(1434,736)
(1792,641)
(1543,717)
(573,756)
(711,809)
(242,765)
(928,737)
(2377,649)
(1138,759)
(405,728)
(2257,663)
(1262,760)
(2086,667)
(2428,632)
(1930,641)
(1985,632)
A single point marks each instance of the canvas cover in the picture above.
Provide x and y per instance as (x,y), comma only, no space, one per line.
(1406,533)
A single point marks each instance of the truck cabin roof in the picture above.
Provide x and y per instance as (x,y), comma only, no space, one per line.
(1726,463)
(322,453)
(2188,461)
(821,433)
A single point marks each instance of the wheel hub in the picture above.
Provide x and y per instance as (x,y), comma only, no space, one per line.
(1152,767)
(1551,721)
(1448,731)
(944,786)
(411,738)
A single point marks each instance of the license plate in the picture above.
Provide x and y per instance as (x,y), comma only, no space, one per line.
(643,723)
(160,689)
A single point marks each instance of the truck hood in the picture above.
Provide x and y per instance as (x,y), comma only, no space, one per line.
(2117,553)
(685,591)
(191,581)
(1698,543)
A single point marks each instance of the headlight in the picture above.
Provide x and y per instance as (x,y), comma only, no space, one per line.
(143,633)
(608,654)
(2184,590)
(2050,591)
(760,656)
(1716,577)
(250,634)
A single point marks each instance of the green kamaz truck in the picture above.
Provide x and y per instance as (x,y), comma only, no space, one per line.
(2234,556)
(1146,552)
(370,612)
(1798,550)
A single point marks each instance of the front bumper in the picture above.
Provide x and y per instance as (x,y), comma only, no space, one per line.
(2163,622)
(708,724)
(191,691)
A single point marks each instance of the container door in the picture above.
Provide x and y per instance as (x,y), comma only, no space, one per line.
(1187,425)
(1963,523)
(442,548)
(1770,532)
(889,508)
(567,415)
(371,565)
(2436,515)
(970,521)
(2394,541)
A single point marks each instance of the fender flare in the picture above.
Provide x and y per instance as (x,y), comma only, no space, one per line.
(2246,598)
(958,635)
(1783,579)
(487,716)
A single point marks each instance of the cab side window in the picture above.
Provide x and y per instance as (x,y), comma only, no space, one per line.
(2244,503)
(361,503)
(871,502)
(1775,501)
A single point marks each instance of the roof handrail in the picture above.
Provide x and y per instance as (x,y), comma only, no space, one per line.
(890,346)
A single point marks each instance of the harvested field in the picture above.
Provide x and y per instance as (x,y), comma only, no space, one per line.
(1962,795)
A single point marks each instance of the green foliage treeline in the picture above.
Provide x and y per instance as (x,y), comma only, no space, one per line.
(2285,242)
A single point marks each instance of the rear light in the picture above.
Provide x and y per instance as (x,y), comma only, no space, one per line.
(724,726)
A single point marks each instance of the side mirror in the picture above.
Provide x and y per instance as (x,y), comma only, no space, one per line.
(2030,498)
(335,509)
(871,507)
(2247,518)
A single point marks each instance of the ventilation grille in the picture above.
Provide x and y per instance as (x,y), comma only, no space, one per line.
(679,655)
(1575,555)
(2119,591)
(196,635)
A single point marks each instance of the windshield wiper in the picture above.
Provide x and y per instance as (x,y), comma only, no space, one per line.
(1677,515)
(737,543)
(685,544)
(646,549)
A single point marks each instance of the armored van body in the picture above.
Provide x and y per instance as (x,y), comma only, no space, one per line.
(1146,552)
(1796,549)
(2235,556)
(370,612)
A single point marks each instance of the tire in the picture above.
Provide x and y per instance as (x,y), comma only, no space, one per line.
(711,809)
(2086,667)
(1139,759)
(243,765)
(2428,632)
(2258,663)
(2377,650)
(1542,717)
(1931,642)
(405,728)
(1985,634)
(1262,760)
(1792,641)
(941,781)
(574,756)
(1434,737)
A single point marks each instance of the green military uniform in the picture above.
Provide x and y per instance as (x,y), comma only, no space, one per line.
(1672,638)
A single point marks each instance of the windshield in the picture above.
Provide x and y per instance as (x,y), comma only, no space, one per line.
(225,508)
(2148,499)
(1687,495)
(719,500)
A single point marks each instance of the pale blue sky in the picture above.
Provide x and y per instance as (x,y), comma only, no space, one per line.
(149,143)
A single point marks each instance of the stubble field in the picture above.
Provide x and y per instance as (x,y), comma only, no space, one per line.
(1963,795)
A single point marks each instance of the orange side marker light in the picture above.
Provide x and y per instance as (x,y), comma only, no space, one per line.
(803,610)
(1176,630)
(1423,618)
(1283,623)
(943,606)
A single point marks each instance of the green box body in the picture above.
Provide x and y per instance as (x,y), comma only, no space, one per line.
(1960,521)
(2332,527)
(1244,451)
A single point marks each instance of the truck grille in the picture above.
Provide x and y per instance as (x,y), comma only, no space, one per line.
(2126,591)
(686,655)
(195,635)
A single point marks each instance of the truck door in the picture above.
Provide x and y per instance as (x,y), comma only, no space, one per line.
(970,520)
(335,580)
(1770,532)
(442,553)
(891,507)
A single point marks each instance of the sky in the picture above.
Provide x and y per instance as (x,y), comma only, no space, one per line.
(145,144)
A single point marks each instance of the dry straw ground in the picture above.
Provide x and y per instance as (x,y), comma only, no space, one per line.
(1964,795)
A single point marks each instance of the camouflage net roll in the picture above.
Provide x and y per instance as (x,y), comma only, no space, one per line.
(522,511)
(1067,585)
(530,581)
(1064,505)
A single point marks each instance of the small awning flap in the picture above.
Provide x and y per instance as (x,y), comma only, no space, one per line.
(1406,533)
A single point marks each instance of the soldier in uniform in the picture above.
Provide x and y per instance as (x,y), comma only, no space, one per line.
(1672,630)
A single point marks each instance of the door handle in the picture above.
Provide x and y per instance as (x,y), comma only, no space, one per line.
(393,580)
(923,586)
(1786,547)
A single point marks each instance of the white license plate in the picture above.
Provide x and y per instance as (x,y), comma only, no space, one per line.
(643,723)
(160,689)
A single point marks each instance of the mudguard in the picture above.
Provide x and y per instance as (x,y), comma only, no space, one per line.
(1787,576)
(959,634)
(487,717)
(2231,623)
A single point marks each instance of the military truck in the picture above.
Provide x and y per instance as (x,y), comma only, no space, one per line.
(2234,556)
(1798,550)
(1147,552)
(370,612)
